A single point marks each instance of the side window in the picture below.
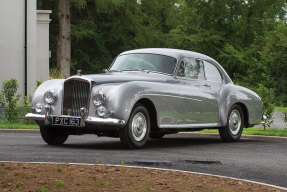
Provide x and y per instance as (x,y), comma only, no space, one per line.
(191,68)
(212,73)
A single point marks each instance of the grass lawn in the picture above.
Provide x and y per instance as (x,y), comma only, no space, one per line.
(255,131)
(4,125)
(281,108)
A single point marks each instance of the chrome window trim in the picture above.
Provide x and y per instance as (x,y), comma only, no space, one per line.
(175,96)
(179,77)
(218,69)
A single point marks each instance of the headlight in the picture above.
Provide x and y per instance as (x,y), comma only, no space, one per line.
(98,99)
(39,107)
(101,111)
(50,96)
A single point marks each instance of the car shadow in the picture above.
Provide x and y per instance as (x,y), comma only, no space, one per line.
(169,142)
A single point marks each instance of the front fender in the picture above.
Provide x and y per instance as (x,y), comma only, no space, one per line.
(121,98)
(55,84)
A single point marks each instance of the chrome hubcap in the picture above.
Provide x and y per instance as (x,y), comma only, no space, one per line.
(234,122)
(139,126)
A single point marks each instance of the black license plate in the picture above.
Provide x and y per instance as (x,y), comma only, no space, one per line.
(66,121)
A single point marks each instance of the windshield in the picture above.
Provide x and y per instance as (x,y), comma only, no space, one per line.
(140,61)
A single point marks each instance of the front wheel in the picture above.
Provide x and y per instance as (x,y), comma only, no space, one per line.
(135,133)
(234,127)
(51,137)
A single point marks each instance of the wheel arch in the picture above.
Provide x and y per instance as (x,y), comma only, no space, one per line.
(151,110)
(245,113)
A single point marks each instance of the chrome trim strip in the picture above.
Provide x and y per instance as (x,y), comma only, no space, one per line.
(173,96)
(33,116)
(89,120)
(199,125)
(109,121)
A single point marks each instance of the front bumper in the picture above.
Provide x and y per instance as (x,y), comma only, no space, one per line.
(87,120)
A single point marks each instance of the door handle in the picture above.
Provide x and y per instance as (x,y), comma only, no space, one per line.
(206,85)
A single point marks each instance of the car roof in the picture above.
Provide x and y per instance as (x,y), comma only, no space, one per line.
(176,53)
(179,55)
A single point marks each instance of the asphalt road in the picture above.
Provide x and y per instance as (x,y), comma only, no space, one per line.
(254,159)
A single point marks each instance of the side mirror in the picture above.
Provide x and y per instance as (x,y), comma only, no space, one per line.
(105,71)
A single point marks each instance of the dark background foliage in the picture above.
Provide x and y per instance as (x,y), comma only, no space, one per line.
(247,37)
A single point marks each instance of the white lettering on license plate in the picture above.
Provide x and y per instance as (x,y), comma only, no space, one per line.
(66,121)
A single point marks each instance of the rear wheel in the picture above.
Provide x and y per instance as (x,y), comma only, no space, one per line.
(234,127)
(51,137)
(135,133)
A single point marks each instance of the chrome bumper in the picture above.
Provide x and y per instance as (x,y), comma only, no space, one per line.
(88,120)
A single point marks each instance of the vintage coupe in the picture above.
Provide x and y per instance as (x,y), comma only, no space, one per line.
(146,93)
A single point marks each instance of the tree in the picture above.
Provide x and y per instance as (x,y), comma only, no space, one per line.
(64,38)
(276,55)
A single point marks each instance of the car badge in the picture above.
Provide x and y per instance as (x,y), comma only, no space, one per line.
(69,111)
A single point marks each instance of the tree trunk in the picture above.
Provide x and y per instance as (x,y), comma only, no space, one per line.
(39,4)
(64,40)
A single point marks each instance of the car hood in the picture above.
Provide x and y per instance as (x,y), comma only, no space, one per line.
(121,77)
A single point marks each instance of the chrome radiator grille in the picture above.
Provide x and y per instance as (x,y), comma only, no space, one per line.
(76,96)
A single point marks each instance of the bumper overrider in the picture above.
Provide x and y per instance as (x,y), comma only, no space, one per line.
(47,118)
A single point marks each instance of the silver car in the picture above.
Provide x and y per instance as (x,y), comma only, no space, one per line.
(146,93)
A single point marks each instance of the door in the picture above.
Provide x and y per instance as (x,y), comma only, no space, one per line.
(212,84)
(197,103)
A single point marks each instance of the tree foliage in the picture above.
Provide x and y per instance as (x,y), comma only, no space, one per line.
(247,37)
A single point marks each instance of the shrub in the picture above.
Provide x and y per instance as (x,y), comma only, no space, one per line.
(24,109)
(26,106)
(8,92)
(55,74)
(268,99)
(38,83)
(2,101)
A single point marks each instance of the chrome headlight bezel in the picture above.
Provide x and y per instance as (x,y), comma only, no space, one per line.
(50,97)
(98,99)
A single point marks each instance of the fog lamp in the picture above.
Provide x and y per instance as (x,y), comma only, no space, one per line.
(39,107)
(101,111)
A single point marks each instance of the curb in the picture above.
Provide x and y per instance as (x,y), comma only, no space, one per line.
(153,168)
(200,135)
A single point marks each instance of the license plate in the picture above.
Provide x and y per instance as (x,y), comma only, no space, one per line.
(66,121)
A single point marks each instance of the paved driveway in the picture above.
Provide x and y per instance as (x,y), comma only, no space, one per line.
(254,159)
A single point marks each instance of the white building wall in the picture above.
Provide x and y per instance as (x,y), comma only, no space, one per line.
(32,46)
(12,39)
(43,20)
